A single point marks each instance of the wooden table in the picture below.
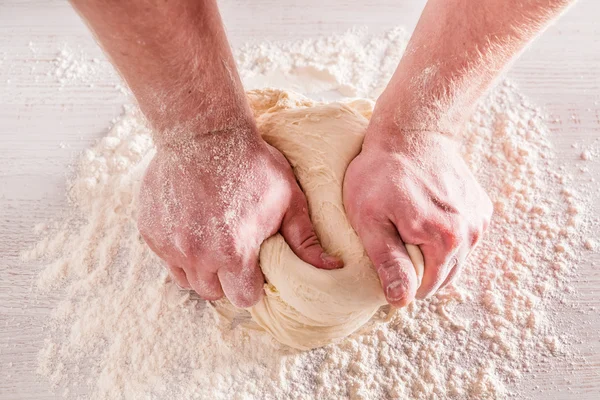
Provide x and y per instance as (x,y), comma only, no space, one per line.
(44,124)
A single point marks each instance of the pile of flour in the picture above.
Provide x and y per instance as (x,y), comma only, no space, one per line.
(122,329)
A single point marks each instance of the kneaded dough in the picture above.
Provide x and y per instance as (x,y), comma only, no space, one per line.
(306,307)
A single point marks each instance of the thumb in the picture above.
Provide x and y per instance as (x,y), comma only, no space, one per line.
(392,262)
(243,283)
(298,232)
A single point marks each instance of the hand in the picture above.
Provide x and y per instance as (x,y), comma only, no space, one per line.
(414,188)
(206,208)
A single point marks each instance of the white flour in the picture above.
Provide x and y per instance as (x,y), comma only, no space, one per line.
(123,330)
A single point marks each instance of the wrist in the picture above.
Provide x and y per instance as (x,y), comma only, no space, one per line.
(393,126)
(236,136)
(389,132)
(428,108)
(191,115)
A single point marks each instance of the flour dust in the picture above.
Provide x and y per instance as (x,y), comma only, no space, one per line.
(122,329)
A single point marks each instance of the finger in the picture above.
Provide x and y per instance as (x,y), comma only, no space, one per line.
(451,276)
(147,237)
(416,257)
(392,262)
(298,232)
(178,275)
(206,284)
(243,285)
(439,265)
(457,270)
(439,253)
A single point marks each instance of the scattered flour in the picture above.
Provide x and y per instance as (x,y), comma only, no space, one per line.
(354,64)
(122,329)
(72,66)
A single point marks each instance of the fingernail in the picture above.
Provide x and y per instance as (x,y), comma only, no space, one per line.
(332,261)
(396,291)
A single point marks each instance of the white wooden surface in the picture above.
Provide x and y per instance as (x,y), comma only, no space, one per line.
(44,126)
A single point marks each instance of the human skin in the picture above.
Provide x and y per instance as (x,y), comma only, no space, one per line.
(215,190)
(409,184)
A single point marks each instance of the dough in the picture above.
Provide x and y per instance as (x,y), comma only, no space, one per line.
(306,307)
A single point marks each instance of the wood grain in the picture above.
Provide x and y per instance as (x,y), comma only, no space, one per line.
(44,125)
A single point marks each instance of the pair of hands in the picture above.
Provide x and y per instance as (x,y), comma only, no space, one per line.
(207,217)
(206,214)
(206,210)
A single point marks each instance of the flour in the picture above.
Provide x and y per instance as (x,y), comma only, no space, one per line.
(72,66)
(122,329)
(353,64)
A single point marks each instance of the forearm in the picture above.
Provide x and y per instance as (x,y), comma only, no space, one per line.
(458,48)
(175,58)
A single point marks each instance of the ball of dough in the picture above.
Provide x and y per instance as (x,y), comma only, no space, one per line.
(306,307)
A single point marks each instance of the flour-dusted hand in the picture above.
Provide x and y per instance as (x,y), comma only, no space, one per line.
(409,183)
(414,189)
(206,207)
(215,190)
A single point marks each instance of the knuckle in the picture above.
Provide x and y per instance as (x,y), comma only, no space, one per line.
(451,238)
(308,239)
(389,270)
(387,265)
(447,234)
(299,232)
(413,226)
